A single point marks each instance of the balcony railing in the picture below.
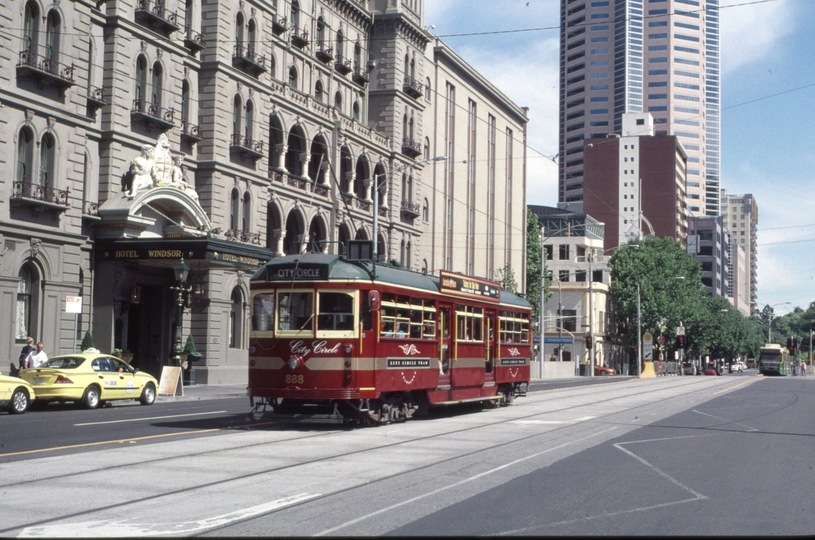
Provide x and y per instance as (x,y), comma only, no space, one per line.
(191,132)
(246,146)
(40,195)
(411,148)
(153,13)
(96,97)
(299,37)
(193,40)
(247,59)
(324,53)
(412,87)
(342,65)
(361,75)
(279,25)
(412,209)
(45,70)
(152,114)
(298,182)
(243,236)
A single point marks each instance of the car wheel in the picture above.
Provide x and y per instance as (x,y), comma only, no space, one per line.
(91,398)
(19,401)
(148,395)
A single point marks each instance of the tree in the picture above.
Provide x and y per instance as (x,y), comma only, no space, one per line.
(506,277)
(87,342)
(534,266)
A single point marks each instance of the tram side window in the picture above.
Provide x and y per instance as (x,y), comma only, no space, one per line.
(513,327)
(470,323)
(295,311)
(263,312)
(336,311)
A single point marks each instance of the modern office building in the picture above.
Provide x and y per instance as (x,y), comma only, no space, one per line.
(709,243)
(740,213)
(629,56)
(635,183)
(135,133)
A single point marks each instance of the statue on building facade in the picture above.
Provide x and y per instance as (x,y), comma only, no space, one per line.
(157,167)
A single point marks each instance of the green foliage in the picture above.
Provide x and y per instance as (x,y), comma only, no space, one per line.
(87,342)
(189,347)
(506,277)
(534,267)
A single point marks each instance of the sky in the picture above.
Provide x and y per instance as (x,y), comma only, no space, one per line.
(768,113)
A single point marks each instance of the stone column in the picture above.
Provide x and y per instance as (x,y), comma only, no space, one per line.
(280,158)
(277,245)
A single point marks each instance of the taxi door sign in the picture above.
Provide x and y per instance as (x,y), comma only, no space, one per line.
(647,348)
(73,304)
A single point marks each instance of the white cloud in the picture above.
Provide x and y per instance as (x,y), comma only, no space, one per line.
(751,32)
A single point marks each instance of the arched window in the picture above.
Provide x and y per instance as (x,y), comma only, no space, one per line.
(355,115)
(406,70)
(52,35)
(250,35)
(28,301)
(185,102)
(189,6)
(234,210)
(427,89)
(141,78)
(157,82)
(246,214)
(409,192)
(25,155)
(410,129)
(318,92)
(236,116)
(236,320)
(358,55)
(320,32)
(272,67)
(30,26)
(402,256)
(413,69)
(47,160)
(293,77)
(405,127)
(250,121)
(340,46)
(404,187)
(239,30)
(425,211)
(295,14)
(406,264)
(338,101)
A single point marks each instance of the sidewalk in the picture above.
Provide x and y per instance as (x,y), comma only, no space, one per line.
(208,391)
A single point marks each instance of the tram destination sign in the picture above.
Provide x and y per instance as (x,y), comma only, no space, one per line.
(298,272)
(469,287)
(401,363)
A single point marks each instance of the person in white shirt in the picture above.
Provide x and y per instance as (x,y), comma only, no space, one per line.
(38,357)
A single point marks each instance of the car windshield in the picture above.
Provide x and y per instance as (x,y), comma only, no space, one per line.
(63,362)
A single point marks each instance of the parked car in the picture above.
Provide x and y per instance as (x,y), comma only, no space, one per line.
(15,394)
(738,366)
(603,371)
(688,368)
(89,378)
(711,370)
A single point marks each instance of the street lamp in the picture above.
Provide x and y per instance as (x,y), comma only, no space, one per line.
(181,271)
(378,184)
(770,323)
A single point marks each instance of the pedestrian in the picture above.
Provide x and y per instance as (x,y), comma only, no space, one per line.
(27,348)
(37,357)
(803,369)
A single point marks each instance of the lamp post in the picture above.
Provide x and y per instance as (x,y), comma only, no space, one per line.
(181,271)
(378,184)
(770,323)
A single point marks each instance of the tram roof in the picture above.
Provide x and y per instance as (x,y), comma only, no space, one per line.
(319,266)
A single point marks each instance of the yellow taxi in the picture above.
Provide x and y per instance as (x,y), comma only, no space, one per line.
(89,378)
(15,394)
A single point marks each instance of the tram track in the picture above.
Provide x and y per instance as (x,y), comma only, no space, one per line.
(222,483)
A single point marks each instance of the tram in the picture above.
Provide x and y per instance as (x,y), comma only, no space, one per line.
(342,340)
(773,360)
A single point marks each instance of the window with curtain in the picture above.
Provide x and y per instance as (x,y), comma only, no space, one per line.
(236,116)
(47,157)
(295,14)
(185,102)
(234,210)
(30,26)
(246,213)
(52,35)
(158,73)
(293,77)
(250,120)
(141,77)
(235,319)
(25,155)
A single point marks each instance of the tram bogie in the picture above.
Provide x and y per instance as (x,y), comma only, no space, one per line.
(336,340)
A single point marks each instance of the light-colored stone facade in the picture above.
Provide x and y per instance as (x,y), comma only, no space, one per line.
(289,119)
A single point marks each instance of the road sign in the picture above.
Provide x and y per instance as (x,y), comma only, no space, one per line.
(558,340)
(680,330)
(73,304)
(647,348)
(661,340)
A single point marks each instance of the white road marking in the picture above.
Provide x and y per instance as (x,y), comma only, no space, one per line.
(121,528)
(749,428)
(581,419)
(455,485)
(150,418)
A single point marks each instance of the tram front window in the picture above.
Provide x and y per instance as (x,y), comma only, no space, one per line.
(336,312)
(295,311)
(263,312)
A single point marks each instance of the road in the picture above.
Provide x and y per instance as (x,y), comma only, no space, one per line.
(675,455)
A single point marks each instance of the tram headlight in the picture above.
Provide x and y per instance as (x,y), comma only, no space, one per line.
(294,362)
(348,349)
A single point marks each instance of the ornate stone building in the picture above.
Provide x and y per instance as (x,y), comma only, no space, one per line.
(137,132)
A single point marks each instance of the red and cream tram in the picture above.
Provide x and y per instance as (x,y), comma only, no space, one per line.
(345,340)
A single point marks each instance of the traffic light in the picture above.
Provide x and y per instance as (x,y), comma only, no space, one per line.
(680,342)
(588,342)
(791,344)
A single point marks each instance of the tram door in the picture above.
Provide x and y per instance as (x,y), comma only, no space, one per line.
(490,334)
(445,345)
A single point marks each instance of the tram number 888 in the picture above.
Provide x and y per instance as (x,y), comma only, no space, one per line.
(294,379)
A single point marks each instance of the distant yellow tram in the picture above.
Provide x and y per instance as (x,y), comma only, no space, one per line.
(774,360)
